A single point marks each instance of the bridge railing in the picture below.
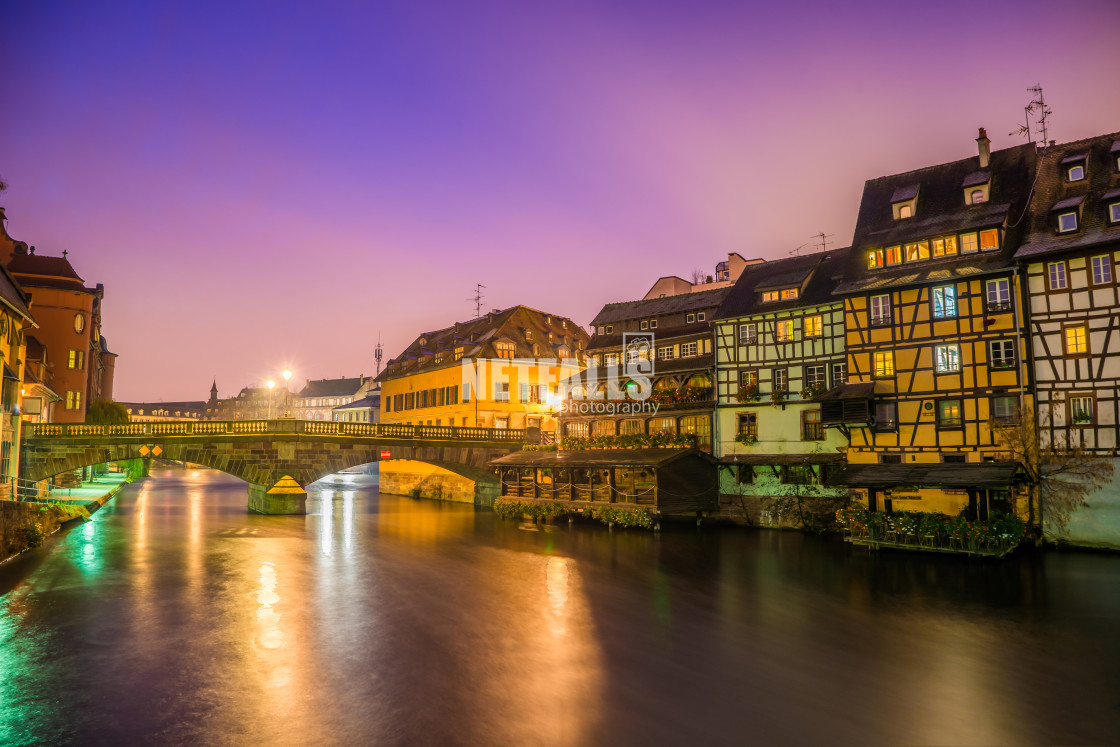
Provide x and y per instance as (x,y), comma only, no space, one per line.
(283,426)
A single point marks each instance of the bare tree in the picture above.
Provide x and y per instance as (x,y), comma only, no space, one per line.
(1063,472)
(3,183)
(697,276)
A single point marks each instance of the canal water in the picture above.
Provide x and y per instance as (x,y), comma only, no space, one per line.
(175,617)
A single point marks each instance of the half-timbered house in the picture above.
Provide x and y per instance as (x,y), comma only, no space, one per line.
(672,334)
(779,346)
(934,332)
(1069,261)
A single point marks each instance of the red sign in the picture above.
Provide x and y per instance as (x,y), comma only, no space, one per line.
(386,454)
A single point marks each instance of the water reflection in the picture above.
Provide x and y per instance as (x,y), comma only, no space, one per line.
(383,619)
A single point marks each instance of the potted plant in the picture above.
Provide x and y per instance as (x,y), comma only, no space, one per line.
(747,393)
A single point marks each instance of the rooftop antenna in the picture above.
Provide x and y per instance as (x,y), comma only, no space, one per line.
(795,252)
(1042,113)
(477,298)
(823,238)
(377,354)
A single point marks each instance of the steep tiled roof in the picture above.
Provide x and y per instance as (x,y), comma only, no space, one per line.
(942,210)
(814,275)
(684,302)
(1089,196)
(36,270)
(519,326)
(332,387)
(13,295)
(370,400)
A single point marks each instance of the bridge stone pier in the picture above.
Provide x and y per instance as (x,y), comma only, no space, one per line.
(278,458)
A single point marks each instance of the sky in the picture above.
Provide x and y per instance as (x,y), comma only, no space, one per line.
(271,185)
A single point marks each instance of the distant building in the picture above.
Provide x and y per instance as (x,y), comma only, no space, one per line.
(364,410)
(727,272)
(319,397)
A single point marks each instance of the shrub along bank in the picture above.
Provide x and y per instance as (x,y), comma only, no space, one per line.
(24,526)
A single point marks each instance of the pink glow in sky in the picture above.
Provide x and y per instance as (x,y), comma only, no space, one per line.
(260,185)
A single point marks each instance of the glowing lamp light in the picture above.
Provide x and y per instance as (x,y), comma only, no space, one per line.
(271,383)
(287,375)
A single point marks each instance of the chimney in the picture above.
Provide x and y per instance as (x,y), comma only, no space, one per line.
(985,147)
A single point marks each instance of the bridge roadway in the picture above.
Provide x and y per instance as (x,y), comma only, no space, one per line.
(278,458)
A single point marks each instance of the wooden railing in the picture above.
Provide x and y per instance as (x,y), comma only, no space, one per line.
(286,426)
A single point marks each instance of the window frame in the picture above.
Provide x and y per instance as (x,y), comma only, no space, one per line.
(752,337)
(1092,398)
(694,346)
(1050,267)
(933,303)
(784,376)
(888,357)
(779,325)
(1066,354)
(880,321)
(1058,223)
(937,369)
(879,425)
(993,415)
(817,427)
(1112,212)
(997,307)
(1076,165)
(1005,343)
(816,328)
(690,319)
(942,424)
(1108,263)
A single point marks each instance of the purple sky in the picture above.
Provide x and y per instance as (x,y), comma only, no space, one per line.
(270,184)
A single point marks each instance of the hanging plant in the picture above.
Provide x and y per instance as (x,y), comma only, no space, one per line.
(811,392)
(747,393)
(777,397)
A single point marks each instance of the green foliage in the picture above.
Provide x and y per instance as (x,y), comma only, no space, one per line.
(909,526)
(638,518)
(684,395)
(30,536)
(748,393)
(746,439)
(629,441)
(106,412)
(539,447)
(777,397)
(810,393)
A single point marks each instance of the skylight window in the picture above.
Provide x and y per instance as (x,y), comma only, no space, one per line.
(1076,173)
(1067,222)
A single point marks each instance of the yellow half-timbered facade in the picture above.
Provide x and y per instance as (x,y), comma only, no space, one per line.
(934,337)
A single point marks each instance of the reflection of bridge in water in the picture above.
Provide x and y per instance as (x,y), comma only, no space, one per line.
(278,458)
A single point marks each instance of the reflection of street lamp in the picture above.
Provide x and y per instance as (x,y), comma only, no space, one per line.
(271,384)
(287,375)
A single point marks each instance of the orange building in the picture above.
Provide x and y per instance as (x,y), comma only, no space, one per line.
(68,314)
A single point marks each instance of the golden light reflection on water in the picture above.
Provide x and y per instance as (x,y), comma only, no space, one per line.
(269,634)
(556,584)
(326,522)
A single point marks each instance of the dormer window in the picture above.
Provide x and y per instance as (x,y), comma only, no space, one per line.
(1114,213)
(1112,206)
(643,325)
(785,294)
(1073,167)
(690,319)
(904,202)
(976,187)
(653,324)
(1067,215)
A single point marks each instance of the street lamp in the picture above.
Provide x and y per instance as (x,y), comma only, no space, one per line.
(271,384)
(287,375)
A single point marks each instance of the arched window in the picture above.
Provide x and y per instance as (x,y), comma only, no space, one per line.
(976,196)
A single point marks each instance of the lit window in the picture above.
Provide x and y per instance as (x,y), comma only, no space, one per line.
(814,326)
(77,359)
(1076,340)
(79,323)
(883,364)
(1001,354)
(977,196)
(945,246)
(905,211)
(949,413)
(917,251)
(665,354)
(1114,212)
(945,302)
(969,243)
(790,293)
(748,378)
(893,255)
(1067,222)
(999,294)
(1075,173)
(748,334)
(74,401)
(1081,410)
(688,350)
(880,310)
(874,259)
(783,331)
(1102,269)
(947,358)
(1056,275)
(989,240)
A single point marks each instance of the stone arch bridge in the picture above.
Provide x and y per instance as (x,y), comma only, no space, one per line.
(278,458)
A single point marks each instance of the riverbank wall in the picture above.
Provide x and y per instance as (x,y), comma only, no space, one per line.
(459,484)
(24,524)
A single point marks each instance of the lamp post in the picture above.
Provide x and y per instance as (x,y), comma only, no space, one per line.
(287,375)
(271,384)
